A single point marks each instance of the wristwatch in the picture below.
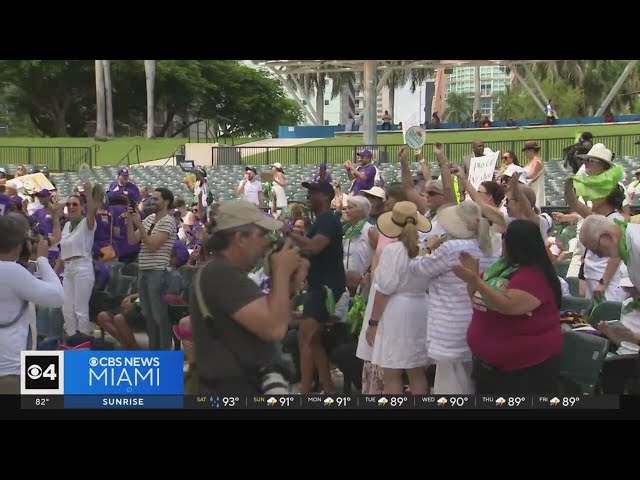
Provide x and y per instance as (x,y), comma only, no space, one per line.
(373,323)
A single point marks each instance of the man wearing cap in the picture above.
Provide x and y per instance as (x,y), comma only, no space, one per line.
(326,278)
(376,197)
(250,188)
(239,334)
(322,174)
(122,186)
(365,175)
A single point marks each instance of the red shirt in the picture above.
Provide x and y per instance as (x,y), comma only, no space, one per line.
(514,342)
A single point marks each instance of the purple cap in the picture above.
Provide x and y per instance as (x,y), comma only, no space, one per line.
(17,201)
(322,165)
(43,193)
(365,154)
(123,171)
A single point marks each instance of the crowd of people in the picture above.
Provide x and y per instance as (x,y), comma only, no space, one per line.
(384,281)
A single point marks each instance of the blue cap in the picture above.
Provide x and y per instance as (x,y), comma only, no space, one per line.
(123,171)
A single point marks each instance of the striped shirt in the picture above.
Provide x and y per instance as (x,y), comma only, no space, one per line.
(158,260)
(449,312)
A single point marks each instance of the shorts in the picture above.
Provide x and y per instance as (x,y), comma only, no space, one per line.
(315,305)
(133,317)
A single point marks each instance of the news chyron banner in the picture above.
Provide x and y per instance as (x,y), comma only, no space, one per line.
(98,379)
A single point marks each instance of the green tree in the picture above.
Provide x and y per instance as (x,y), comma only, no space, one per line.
(57,95)
(458,107)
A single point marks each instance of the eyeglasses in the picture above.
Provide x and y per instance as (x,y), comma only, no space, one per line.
(73,204)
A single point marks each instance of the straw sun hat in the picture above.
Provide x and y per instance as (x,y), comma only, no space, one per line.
(392,223)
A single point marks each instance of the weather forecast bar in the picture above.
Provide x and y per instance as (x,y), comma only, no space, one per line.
(323,402)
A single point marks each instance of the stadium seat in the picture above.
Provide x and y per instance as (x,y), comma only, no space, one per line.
(581,362)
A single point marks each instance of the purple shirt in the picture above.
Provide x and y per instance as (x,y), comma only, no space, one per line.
(129,190)
(42,217)
(370,171)
(104,223)
(4,204)
(327,177)
(182,254)
(102,276)
(121,244)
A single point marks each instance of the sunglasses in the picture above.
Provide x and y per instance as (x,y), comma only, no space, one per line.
(151,228)
(72,204)
(506,157)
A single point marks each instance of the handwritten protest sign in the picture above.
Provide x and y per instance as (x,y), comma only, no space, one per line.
(31,183)
(482,168)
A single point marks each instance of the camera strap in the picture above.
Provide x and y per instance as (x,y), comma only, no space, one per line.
(23,309)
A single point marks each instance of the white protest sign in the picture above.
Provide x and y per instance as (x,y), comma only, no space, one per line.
(482,168)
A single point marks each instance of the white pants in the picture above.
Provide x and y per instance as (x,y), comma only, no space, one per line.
(77,285)
(453,378)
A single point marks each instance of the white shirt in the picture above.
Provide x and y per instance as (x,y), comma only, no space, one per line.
(251,191)
(633,245)
(632,321)
(594,266)
(17,285)
(201,192)
(77,243)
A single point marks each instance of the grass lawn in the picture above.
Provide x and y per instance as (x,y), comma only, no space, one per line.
(112,151)
(457,144)
(526,133)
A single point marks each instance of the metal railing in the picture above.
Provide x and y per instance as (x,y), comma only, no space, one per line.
(61,159)
(551,148)
(127,156)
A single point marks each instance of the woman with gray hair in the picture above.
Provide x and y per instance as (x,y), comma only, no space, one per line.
(359,239)
(18,287)
(449,312)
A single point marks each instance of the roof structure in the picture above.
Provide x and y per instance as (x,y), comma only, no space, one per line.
(336,66)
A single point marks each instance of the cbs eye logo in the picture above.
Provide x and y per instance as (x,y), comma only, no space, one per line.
(42,372)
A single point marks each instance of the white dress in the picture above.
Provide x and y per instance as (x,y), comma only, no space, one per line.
(401,339)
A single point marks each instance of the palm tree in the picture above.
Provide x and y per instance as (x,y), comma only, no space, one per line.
(101,127)
(458,107)
(150,75)
(106,66)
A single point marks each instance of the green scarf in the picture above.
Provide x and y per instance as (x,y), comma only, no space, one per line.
(631,306)
(497,275)
(624,250)
(74,224)
(598,186)
(351,232)
(355,317)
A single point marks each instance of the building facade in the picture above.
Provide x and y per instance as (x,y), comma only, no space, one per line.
(493,80)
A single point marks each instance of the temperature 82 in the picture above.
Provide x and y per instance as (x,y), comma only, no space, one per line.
(230,401)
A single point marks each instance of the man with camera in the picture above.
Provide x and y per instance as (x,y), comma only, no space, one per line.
(235,325)
(18,287)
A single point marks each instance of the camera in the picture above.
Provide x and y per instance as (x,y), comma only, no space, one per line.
(273,380)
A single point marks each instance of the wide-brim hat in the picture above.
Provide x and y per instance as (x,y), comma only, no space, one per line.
(460,221)
(599,152)
(530,145)
(392,223)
